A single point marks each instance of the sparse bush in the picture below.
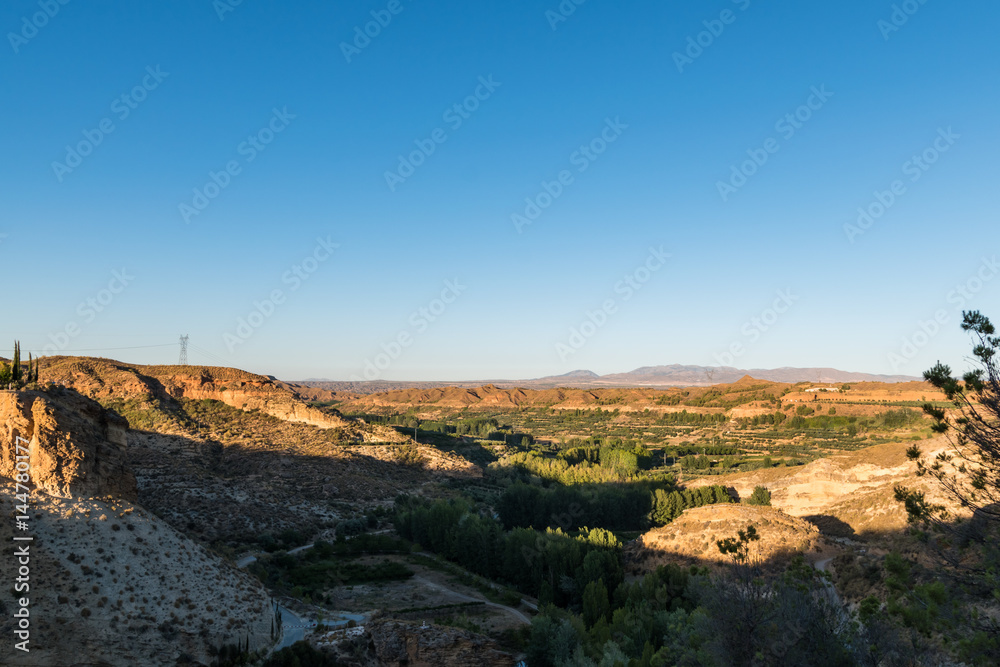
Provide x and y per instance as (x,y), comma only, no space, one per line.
(408,455)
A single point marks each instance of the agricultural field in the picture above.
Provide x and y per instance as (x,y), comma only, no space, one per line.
(756,430)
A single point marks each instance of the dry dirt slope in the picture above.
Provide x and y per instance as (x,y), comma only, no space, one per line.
(854,488)
(691,537)
(226,455)
(109,582)
(843,495)
(491,397)
(751,396)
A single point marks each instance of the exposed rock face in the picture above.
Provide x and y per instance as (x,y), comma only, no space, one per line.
(76,447)
(251,394)
(401,643)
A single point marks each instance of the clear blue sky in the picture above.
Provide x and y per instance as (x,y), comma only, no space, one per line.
(553,86)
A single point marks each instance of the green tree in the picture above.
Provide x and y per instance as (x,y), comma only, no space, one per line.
(706,495)
(15,370)
(971,475)
(552,639)
(721,494)
(760,496)
(595,603)
(661,512)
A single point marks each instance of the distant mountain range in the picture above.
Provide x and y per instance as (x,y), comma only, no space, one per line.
(674,375)
(682,375)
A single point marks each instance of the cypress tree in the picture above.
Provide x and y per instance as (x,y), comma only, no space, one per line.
(16,369)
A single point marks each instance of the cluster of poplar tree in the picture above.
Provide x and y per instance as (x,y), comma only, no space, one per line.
(612,506)
(551,565)
(621,466)
(667,506)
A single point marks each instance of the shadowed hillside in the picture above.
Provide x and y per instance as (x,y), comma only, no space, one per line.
(110,583)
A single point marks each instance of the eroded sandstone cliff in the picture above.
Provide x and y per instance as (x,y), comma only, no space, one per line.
(76,447)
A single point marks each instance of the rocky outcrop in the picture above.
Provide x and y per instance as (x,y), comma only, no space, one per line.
(76,447)
(263,395)
(420,645)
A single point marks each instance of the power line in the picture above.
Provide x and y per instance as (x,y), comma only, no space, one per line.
(106,349)
(102,335)
(210,355)
(223,362)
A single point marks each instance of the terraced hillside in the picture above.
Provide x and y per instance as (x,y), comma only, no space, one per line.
(229,456)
